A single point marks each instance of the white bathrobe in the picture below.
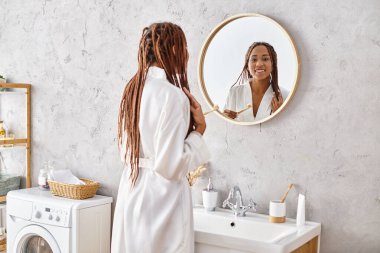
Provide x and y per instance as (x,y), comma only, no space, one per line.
(240,96)
(156,215)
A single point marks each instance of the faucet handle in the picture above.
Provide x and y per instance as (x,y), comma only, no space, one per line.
(226,202)
(252,205)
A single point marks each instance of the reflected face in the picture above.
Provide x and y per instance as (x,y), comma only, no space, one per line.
(260,63)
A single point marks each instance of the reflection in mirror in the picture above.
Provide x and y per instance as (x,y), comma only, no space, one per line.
(256,94)
(249,67)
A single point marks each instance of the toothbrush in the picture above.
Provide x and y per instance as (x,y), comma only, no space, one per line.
(286,193)
(248,106)
(214,108)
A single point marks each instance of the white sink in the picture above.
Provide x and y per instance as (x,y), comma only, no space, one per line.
(221,231)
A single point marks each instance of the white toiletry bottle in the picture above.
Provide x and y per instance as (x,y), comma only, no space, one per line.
(210,197)
(301,211)
(42,179)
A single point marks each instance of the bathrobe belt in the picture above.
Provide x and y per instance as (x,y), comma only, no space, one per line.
(145,162)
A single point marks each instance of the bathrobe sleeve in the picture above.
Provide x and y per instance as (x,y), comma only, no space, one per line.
(176,154)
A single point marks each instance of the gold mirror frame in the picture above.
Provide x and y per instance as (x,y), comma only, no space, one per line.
(201,65)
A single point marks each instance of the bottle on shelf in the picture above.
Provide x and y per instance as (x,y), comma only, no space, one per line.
(5,135)
(2,130)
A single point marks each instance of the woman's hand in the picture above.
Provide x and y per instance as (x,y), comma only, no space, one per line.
(230,114)
(276,103)
(197,113)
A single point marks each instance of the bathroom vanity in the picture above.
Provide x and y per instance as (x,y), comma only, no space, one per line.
(222,232)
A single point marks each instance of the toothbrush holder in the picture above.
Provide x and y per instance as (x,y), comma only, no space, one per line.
(277,211)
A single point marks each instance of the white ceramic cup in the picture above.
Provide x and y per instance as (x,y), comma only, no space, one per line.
(277,209)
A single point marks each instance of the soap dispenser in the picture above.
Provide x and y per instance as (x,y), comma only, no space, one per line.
(210,197)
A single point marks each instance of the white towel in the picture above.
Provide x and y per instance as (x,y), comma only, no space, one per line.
(65,176)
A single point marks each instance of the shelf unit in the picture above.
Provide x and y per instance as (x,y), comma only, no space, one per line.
(26,142)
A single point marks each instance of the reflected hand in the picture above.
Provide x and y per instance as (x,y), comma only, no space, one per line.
(196,112)
(276,103)
(230,114)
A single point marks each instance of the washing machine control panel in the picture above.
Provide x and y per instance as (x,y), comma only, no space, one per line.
(51,214)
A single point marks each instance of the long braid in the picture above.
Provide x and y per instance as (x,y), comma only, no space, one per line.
(245,75)
(156,46)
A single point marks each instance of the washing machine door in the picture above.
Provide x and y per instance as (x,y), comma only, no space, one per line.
(35,239)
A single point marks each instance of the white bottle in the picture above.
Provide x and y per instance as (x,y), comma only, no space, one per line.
(42,179)
(301,211)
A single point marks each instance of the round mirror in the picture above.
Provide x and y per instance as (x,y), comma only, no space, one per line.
(248,69)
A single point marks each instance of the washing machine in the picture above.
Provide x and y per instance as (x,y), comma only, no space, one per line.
(39,222)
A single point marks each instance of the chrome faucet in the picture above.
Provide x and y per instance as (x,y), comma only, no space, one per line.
(238,208)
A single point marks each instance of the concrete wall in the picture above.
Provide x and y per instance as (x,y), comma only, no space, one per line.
(79,54)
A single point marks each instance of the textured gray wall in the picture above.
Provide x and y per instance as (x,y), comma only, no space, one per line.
(79,54)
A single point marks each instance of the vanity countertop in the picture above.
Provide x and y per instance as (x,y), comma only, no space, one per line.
(252,233)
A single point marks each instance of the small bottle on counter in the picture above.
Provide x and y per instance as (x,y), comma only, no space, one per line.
(301,211)
(43,179)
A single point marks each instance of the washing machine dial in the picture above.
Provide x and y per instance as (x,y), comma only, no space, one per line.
(57,219)
(50,217)
(38,214)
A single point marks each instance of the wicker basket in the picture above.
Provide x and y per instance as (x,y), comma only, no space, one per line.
(3,244)
(74,191)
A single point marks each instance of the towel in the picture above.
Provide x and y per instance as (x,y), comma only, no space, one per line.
(65,176)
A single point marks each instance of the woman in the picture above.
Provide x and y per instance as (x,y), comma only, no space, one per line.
(257,94)
(159,144)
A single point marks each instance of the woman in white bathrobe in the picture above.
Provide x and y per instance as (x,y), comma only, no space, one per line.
(257,94)
(160,136)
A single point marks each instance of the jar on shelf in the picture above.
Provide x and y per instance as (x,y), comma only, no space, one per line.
(2,130)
